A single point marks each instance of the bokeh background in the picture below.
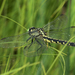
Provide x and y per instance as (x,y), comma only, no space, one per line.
(16,17)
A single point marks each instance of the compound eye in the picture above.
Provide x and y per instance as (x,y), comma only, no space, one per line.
(31,28)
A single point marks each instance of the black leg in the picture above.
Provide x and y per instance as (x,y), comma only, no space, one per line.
(28,39)
(39,44)
(30,44)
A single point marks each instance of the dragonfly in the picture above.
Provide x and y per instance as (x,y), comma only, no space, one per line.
(34,41)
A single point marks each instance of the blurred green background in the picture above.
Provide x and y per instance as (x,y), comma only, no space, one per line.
(16,17)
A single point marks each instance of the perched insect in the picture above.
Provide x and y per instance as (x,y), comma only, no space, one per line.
(34,40)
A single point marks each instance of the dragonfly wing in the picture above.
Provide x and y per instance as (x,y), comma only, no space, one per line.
(14,41)
(59,23)
(59,28)
(63,34)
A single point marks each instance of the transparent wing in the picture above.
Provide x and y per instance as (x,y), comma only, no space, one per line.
(35,48)
(58,23)
(14,41)
(59,28)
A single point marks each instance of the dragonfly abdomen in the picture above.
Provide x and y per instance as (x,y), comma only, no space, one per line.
(51,40)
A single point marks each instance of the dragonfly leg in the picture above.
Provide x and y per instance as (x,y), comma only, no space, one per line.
(28,39)
(38,43)
(30,44)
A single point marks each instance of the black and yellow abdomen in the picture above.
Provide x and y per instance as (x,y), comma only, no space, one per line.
(51,40)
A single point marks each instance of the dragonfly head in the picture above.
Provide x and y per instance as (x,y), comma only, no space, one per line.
(31,29)
(36,32)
